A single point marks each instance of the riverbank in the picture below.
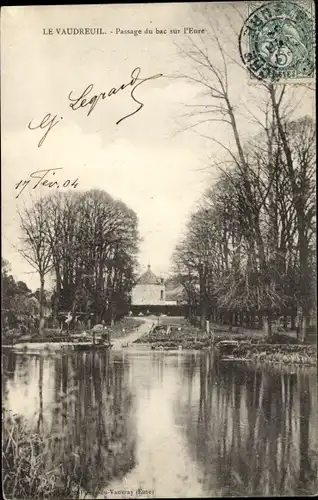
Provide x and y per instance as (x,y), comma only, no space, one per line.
(127,338)
(279,349)
(120,329)
(288,354)
(184,336)
(171,334)
(24,471)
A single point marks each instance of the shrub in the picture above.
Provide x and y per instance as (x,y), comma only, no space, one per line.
(24,454)
(279,338)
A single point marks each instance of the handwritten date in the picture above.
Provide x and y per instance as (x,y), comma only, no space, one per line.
(44,179)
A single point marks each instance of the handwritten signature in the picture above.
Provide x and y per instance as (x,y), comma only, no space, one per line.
(87,99)
(44,180)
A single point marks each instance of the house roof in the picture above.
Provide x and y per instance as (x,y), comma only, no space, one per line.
(148,278)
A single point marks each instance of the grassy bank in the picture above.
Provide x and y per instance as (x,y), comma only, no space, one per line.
(124,327)
(121,328)
(183,335)
(279,348)
(189,337)
(291,354)
(24,455)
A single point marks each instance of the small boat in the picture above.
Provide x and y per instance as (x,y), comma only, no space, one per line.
(225,348)
(90,346)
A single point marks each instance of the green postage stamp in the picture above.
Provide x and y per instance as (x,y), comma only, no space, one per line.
(277,41)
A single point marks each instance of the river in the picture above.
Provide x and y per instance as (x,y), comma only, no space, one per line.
(178,424)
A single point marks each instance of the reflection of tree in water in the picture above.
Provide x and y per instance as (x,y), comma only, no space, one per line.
(93,425)
(189,368)
(20,368)
(307,455)
(40,386)
(8,372)
(252,431)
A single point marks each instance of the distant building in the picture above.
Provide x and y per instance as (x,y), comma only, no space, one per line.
(176,295)
(152,295)
(149,290)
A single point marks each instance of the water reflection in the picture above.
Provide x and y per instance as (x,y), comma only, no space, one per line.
(87,414)
(180,424)
(253,430)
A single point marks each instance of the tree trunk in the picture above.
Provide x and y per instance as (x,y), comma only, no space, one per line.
(304,279)
(203,299)
(267,326)
(239,319)
(293,322)
(203,315)
(40,418)
(299,199)
(57,299)
(248,319)
(303,328)
(234,319)
(252,320)
(41,322)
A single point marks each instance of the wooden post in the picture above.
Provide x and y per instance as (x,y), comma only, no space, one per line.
(210,332)
(207,328)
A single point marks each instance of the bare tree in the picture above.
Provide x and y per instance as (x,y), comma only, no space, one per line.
(267,182)
(36,249)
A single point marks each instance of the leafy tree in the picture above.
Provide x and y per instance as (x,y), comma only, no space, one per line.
(17,305)
(88,242)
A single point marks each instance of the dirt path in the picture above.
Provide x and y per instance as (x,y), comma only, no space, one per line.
(139,332)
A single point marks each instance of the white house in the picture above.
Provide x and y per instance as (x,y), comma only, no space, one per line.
(149,290)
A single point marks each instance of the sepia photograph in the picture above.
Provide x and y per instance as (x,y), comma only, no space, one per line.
(158,266)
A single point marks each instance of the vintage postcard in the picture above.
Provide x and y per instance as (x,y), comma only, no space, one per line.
(159,250)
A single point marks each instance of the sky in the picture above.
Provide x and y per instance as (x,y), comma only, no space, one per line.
(149,160)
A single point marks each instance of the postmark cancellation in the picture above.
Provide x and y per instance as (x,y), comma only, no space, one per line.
(277,42)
